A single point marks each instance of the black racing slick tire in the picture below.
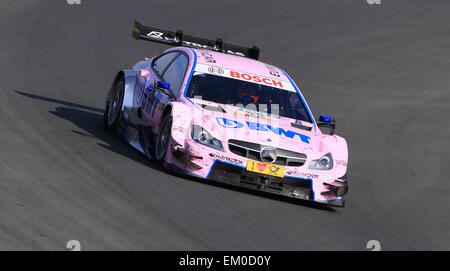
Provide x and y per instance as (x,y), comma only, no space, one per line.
(163,139)
(113,109)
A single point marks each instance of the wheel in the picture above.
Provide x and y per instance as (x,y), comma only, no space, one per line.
(163,139)
(113,109)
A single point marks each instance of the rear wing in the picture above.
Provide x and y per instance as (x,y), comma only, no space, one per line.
(142,32)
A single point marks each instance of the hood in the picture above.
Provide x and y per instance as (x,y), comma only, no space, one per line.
(226,122)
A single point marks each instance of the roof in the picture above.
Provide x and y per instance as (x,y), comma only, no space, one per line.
(238,67)
(239,63)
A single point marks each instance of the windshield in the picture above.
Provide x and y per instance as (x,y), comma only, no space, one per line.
(265,99)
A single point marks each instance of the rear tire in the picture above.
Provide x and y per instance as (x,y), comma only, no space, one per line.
(163,139)
(113,109)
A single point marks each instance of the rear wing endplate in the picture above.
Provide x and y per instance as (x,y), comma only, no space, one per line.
(177,38)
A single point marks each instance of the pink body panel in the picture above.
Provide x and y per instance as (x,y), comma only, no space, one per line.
(187,112)
(319,144)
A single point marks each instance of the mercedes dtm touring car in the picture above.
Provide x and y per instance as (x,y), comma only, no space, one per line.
(211,110)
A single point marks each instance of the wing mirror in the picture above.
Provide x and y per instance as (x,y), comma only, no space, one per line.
(162,85)
(327,121)
(164,88)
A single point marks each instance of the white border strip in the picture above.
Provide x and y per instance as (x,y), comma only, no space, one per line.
(244,76)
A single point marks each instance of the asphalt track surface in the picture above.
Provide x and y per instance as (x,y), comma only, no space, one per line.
(381,70)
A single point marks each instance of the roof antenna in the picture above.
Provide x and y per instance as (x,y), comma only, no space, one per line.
(218,47)
(179,37)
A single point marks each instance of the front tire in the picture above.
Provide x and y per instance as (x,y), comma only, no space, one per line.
(113,109)
(163,139)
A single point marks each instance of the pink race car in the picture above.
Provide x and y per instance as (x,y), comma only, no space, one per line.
(211,110)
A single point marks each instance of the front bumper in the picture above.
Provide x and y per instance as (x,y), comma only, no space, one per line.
(289,186)
(239,176)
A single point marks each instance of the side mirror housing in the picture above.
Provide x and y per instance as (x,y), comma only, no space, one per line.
(327,121)
(324,118)
(163,85)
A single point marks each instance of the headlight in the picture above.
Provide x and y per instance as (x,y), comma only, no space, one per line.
(324,163)
(201,136)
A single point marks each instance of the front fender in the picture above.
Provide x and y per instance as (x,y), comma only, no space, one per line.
(181,122)
(338,147)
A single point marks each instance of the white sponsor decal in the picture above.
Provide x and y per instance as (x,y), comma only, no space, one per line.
(156,34)
(245,76)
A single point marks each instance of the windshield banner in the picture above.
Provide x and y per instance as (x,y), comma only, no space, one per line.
(244,76)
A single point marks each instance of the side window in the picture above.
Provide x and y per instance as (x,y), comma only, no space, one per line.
(161,63)
(175,73)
